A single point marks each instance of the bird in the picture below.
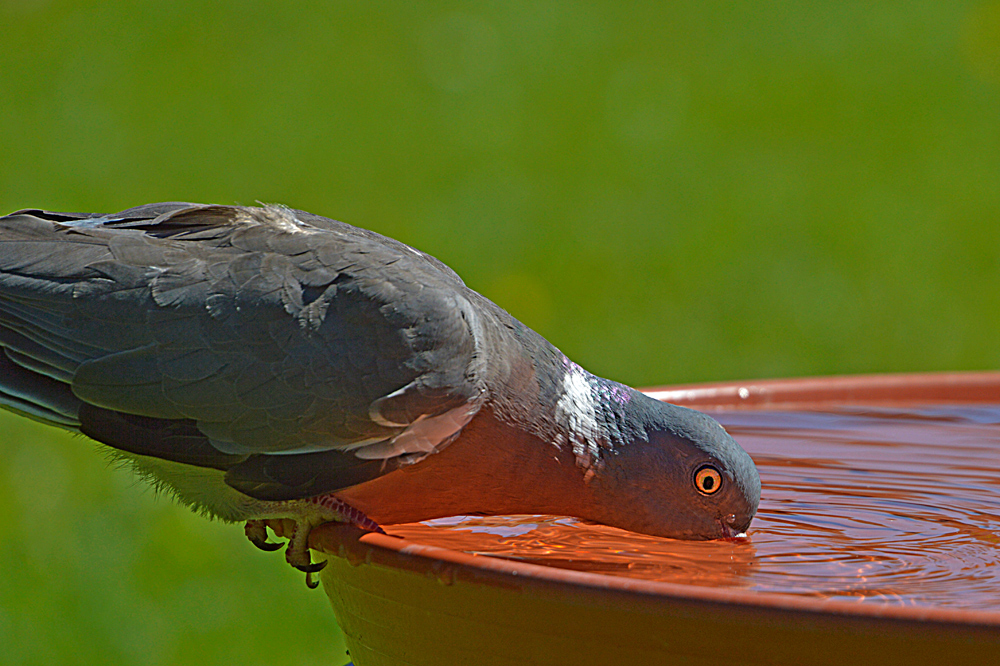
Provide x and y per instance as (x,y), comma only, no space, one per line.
(274,367)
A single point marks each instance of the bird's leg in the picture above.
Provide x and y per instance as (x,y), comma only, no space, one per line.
(346,513)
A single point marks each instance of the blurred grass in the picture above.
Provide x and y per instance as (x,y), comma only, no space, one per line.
(669,192)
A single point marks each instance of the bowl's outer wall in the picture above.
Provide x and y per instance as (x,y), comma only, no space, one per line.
(401,603)
(400,608)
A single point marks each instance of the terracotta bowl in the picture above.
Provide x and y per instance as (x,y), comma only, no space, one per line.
(399,602)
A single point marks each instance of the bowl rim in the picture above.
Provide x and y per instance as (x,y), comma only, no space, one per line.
(798,393)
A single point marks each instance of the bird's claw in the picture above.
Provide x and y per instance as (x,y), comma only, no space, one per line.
(309,568)
(256,531)
(312,567)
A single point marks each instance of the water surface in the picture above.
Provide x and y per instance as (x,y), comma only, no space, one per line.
(898,506)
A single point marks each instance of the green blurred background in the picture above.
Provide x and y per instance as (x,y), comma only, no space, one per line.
(668,191)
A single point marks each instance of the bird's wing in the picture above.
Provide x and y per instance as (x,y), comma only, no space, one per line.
(264,341)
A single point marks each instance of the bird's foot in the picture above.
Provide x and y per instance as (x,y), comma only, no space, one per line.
(297,532)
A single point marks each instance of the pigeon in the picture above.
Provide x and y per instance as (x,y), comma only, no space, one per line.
(274,367)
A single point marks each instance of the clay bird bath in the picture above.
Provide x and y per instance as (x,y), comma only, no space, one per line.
(403,601)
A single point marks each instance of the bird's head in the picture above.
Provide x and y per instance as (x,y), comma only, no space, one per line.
(679,475)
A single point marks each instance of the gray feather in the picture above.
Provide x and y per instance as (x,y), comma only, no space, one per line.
(268,330)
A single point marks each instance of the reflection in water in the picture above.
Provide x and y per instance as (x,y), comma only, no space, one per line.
(572,544)
(899,506)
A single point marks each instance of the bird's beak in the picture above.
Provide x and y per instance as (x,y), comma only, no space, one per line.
(728,531)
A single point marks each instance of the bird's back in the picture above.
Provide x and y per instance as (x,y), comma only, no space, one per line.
(235,333)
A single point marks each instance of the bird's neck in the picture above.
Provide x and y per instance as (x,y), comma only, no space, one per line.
(493,468)
(566,406)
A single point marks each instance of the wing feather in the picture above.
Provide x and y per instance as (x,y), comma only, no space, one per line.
(255,332)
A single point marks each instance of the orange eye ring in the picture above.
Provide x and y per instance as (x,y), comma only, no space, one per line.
(707,480)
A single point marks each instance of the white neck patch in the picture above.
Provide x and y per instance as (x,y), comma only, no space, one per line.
(575,411)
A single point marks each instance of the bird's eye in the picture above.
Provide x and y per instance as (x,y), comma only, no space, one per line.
(707,480)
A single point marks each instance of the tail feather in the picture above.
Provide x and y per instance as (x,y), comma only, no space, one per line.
(37,396)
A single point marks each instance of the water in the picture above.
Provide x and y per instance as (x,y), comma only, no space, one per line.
(897,506)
